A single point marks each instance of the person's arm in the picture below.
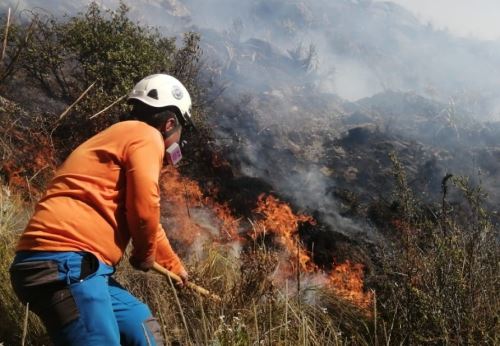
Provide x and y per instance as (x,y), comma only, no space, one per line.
(166,256)
(143,163)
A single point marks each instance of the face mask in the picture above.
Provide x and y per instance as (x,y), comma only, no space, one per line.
(174,154)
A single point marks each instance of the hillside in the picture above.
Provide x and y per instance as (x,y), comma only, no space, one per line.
(342,188)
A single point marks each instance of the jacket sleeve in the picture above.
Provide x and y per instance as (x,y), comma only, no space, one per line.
(165,255)
(143,163)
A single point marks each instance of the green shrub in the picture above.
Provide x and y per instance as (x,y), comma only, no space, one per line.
(95,58)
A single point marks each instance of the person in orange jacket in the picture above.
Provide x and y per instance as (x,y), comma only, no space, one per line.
(105,194)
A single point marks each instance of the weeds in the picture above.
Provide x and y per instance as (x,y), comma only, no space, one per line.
(438,273)
(443,270)
(13,216)
(253,311)
(439,287)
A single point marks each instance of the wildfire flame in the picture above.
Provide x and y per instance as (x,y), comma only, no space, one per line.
(183,198)
(279,219)
(273,217)
(346,279)
(26,157)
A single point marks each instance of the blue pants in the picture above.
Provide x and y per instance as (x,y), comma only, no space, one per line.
(79,302)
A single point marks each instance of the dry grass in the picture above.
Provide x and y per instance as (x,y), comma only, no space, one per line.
(14,215)
(441,274)
(436,289)
(253,311)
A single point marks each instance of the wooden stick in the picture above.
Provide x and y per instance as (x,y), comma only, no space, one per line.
(198,289)
(108,107)
(77,100)
(6,35)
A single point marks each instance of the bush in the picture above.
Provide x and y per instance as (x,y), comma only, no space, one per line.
(441,270)
(95,58)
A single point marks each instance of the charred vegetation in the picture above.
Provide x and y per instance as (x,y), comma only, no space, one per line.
(320,220)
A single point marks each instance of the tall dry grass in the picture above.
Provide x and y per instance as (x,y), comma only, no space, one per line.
(14,214)
(437,284)
(252,311)
(441,271)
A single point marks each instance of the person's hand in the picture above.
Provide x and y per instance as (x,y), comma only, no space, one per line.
(183,274)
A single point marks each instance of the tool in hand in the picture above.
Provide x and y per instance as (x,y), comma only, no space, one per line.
(198,289)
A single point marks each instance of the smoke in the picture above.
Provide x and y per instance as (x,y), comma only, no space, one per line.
(311,192)
(360,47)
(461,17)
(294,69)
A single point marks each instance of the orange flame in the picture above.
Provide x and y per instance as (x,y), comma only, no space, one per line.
(28,156)
(346,279)
(276,217)
(183,197)
(279,219)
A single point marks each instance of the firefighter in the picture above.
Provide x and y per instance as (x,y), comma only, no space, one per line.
(104,195)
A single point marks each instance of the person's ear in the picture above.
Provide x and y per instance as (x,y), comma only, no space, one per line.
(170,124)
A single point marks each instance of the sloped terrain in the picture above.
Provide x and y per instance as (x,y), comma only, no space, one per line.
(288,183)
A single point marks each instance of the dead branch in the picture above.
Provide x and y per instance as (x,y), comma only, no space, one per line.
(63,114)
(108,107)
(6,35)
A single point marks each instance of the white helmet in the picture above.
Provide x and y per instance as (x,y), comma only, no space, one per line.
(162,90)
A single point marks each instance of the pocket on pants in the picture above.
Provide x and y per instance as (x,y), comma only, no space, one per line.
(38,283)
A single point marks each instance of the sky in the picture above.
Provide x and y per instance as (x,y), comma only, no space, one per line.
(466,18)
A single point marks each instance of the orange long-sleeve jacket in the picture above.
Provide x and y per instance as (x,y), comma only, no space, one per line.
(103,195)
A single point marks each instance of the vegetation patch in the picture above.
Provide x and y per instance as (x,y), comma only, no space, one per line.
(433,281)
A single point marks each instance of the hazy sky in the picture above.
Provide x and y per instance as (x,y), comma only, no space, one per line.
(469,18)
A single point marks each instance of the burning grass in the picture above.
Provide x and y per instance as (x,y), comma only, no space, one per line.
(25,148)
(274,223)
(438,291)
(268,296)
(253,309)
